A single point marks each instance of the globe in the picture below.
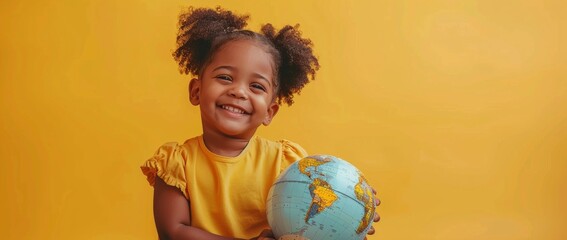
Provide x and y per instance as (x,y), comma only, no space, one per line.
(320,197)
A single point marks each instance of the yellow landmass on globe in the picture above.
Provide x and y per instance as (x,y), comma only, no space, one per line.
(324,194)
(364,194)
(305,163)
(323,197)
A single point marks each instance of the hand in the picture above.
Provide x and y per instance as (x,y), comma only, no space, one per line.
(266,234)
(376,216)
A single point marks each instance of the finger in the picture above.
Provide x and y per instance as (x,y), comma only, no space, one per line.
(376,217)
(373,190)
(371,231)
(377,202)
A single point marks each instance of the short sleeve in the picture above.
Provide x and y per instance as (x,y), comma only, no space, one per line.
(168,164)
(291,152)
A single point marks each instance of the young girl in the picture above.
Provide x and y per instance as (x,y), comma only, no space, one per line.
(214,186)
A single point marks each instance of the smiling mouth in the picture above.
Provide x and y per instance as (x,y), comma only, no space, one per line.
(233,109)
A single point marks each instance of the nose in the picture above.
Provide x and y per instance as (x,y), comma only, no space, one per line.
(238,91)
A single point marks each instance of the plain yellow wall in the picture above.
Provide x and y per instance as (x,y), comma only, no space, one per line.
(455,111)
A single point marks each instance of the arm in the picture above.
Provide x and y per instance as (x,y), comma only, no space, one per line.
(172,215)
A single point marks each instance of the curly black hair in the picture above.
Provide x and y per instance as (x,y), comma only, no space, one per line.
(202,31)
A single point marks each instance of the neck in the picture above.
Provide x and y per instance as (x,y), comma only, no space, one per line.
(224,145)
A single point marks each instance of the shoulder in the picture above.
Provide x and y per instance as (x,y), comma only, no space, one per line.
(168,163)
(282,144)
(176,150)
(173,151)
(288,151)
(292,149)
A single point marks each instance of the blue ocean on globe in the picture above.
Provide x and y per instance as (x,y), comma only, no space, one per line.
(320,197)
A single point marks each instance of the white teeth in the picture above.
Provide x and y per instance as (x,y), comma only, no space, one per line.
(232,109)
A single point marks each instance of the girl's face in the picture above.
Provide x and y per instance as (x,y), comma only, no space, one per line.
(236,90)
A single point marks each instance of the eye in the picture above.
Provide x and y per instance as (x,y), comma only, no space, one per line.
(224,78)
(258,86)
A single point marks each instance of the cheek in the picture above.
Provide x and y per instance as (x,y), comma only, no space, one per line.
(210,93)
(262,103)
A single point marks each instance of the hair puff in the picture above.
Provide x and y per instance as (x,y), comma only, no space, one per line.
(197,29)
(297,60)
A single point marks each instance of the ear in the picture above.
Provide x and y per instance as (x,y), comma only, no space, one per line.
(272,110)
(194,91)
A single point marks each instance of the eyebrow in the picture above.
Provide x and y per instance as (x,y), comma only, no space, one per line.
(256,75)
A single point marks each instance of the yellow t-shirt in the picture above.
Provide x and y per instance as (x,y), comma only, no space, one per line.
(227,194)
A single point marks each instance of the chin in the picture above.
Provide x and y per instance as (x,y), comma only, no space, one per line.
(237,133)
(236,130)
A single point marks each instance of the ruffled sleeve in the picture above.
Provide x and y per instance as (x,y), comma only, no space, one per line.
(168,164)
(291,153)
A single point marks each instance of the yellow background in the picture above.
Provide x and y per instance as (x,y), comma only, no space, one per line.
(454,110)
